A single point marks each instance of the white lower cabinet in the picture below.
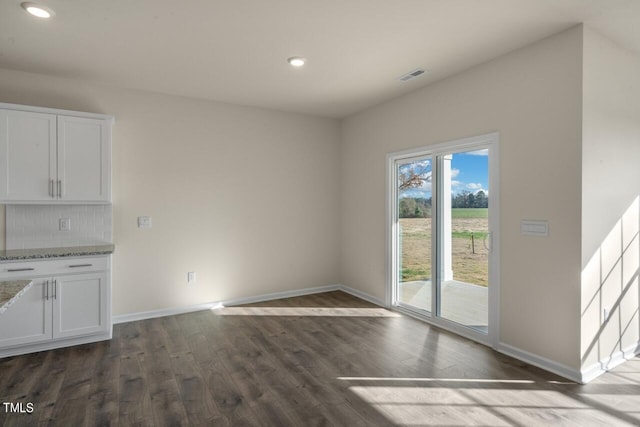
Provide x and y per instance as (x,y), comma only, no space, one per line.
(79,305)
(28,320)
(58,310)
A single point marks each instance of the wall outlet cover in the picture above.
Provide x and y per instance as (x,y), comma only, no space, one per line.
(65,224)
(144,222)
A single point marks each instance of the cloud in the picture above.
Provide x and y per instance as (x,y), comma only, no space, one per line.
(476,189)
(483,152)
(419,167)
(472,187)
(417,193)
(455,172)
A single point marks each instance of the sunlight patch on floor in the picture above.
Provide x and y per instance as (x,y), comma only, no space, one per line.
(469,401)
(305,311)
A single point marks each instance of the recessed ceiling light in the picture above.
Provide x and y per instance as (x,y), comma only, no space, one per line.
(296,61)
(37,10)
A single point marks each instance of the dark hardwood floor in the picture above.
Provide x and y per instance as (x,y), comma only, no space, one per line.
(320,360)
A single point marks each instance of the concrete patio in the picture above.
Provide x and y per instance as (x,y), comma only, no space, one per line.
(462,303)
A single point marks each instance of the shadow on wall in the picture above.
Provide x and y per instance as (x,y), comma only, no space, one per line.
(610,297)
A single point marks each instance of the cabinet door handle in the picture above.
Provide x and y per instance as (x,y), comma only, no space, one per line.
(51,193)
(55,289)
(46,290)
(81,265)
(59,189)
(13,270)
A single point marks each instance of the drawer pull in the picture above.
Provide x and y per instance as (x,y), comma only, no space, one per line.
(81,265)
(13,270)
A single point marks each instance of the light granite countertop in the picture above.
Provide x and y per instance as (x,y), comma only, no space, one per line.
(44,253)
(11,290)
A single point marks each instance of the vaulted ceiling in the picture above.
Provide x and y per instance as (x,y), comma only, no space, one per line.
(236,50)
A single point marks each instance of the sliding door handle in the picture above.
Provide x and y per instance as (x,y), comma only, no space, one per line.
(488,237)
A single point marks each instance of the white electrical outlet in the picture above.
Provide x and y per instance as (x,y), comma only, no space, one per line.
(144,222)
(191,277)
(65,224)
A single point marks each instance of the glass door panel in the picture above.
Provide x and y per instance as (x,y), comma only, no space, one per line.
(414,228)
(463,244)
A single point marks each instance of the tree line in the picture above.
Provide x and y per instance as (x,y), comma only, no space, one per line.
(420,207)
(410,207)
(467,199)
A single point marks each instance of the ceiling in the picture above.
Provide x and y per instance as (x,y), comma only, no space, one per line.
(235,50)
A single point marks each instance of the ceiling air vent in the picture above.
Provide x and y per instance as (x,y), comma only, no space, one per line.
(411,75)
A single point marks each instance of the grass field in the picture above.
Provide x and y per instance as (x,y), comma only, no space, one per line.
(468,266)
(469,213)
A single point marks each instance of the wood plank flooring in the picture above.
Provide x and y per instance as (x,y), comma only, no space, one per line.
(322,360)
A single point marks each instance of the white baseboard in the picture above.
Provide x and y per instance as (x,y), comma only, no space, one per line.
(132,317)
(362,295)
(540,362)
(143,315)
(281,295)
(608,363)
(53,344)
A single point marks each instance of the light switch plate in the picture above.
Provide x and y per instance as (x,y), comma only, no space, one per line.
(144,222)
(534,227)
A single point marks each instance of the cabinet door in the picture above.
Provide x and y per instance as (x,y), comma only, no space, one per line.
(27,156)
(80,304)
(28,320)
(84,159)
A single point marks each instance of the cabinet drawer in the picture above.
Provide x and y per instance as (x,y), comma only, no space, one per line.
(37,268)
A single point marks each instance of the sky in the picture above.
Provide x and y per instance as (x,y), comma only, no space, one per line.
(469,171)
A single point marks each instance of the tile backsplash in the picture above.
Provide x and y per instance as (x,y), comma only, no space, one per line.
(38,226)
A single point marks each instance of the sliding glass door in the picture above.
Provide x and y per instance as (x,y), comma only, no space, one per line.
(443,265)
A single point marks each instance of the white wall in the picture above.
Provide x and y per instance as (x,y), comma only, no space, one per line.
(532,97)
(248,198)
(610,201)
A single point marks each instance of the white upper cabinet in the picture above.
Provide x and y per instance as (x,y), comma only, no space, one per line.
(54,156)
(84,151)
(27,155)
